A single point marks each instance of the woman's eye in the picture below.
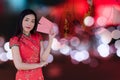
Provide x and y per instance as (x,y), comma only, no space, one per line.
(33,21)
(26,19)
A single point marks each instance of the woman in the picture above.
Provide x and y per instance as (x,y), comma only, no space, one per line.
(29,55)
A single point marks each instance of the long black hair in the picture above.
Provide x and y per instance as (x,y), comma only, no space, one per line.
(19,29)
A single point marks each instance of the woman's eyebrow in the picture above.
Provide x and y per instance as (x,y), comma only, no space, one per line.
(29,18)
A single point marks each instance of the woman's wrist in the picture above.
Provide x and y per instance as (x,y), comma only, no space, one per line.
(42,64)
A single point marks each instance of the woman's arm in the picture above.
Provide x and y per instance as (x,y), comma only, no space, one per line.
(46,52)
(21,65)
(41,50)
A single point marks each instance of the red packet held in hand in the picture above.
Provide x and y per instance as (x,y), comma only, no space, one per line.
(44,25)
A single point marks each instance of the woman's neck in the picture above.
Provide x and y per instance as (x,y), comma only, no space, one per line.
(25,33)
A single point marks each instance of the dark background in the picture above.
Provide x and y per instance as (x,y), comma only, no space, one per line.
(61,68)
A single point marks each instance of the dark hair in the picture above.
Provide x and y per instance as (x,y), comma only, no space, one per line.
(19,29)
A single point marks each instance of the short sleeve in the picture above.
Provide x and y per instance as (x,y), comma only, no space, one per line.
(13,42)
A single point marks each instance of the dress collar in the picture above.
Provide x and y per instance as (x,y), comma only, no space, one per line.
(26,35)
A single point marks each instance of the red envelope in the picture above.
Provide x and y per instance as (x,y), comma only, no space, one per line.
(44,25)
(43,28)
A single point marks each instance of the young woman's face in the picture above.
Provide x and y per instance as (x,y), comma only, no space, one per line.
(28,23)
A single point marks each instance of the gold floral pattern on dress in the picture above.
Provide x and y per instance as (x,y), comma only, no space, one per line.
(29,47)
(35,47)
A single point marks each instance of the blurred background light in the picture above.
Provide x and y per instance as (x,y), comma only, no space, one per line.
(101,21)
(16,5)
(89,21)
(115,34)
(103,50)
(50,58)
(56,45)
(74,41)
(81,55)
(65,49)
(117,44)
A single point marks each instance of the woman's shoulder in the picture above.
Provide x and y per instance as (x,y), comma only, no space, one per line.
(13,41)
(14,38)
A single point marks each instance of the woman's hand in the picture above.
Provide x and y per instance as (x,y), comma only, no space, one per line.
(43,63)
(52,34)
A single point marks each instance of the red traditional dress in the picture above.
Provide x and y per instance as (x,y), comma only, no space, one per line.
(29,47)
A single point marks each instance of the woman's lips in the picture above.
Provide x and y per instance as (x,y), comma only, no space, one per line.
(28,27)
